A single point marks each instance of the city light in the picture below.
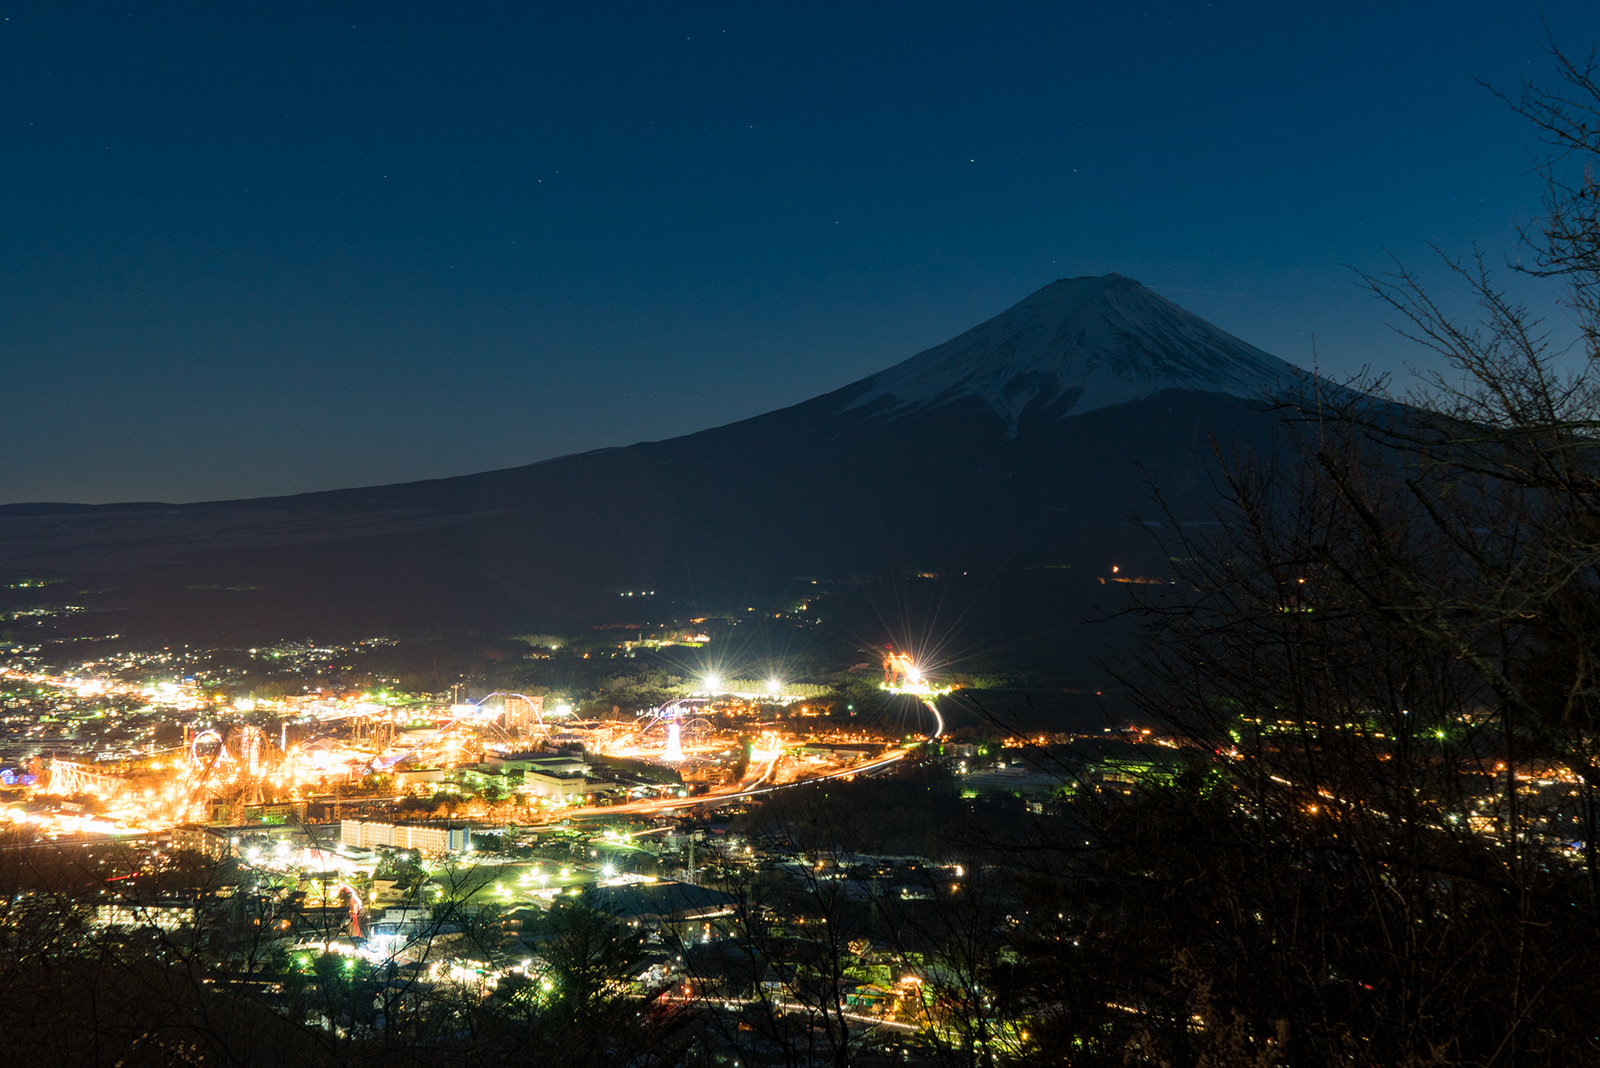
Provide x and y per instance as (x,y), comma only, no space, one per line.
(290,754)
(767,748)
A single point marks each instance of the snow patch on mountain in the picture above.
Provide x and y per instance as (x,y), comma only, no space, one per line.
(1077,345)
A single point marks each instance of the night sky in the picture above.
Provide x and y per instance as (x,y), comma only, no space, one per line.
(266,248)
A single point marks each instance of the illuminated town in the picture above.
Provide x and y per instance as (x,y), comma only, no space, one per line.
(764,536)
(105,738)
(306,825)
(378,825)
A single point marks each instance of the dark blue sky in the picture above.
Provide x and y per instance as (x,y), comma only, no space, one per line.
(252,249)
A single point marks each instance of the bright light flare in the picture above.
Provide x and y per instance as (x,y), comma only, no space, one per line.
(768,747)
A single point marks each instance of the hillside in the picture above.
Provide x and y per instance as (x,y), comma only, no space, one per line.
(974,495)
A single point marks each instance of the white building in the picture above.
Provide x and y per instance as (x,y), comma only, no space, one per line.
(423,837)
(165,917)
(564,786)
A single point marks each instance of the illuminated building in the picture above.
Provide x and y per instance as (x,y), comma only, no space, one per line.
(558,777)
(524,714)
(425,837)
(555,783)
(132,917)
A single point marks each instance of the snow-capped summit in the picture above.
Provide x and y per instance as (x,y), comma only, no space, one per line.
(1077,345)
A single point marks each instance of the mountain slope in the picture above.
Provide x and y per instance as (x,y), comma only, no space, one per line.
(1005,462)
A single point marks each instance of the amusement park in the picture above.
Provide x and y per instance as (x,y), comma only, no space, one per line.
(526,758)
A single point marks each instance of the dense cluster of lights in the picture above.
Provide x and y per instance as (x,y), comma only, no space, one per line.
(242,755)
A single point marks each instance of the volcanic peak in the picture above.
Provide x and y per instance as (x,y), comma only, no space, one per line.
(1077,345)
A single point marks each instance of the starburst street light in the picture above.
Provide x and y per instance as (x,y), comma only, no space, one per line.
(774,687)
(713,683)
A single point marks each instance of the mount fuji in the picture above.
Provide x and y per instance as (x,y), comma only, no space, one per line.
(978,492)
(1076,346)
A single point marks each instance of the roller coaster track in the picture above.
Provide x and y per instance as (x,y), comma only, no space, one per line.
(68,777)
